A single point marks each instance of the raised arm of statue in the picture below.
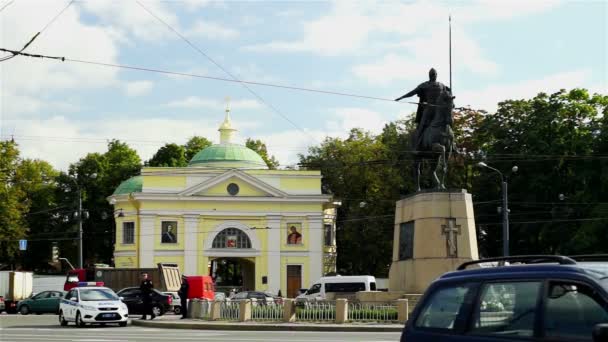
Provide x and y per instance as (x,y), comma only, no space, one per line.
(411,93)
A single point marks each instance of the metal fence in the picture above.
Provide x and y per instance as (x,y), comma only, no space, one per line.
(321,311)
(376,312)
(229,310)
(261,311)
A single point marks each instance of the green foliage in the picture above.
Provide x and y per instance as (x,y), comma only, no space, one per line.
(194,146)
(375,314)
(260,148)
(170,155)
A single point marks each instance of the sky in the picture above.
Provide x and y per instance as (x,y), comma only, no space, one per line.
(60,111)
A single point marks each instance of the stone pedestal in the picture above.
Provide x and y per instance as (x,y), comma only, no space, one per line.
(434,233)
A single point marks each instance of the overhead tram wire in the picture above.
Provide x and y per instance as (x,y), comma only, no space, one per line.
(255,94)
(6,5)
(37,34)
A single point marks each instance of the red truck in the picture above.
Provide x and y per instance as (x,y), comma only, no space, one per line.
(165,277)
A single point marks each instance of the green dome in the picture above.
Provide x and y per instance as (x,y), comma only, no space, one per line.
(133,184)
(228,155)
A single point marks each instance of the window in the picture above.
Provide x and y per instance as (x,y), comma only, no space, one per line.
(129,293)
(128,233)
(97,295)
(329,235)
(443,307)
(72,295)
(506,309)
(169,232)
(242,295)
(572,310)
(55,295)
(344,287)
(372,286)
(41,295)
(231,238)
(316,288)
(406,240)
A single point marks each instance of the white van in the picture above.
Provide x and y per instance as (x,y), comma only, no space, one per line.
(338,284)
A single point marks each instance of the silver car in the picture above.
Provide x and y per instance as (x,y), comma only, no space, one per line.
(176,306)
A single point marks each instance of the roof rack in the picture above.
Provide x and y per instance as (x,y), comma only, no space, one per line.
(589,257)
(526,259)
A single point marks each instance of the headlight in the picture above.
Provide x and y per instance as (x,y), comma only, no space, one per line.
(86,307)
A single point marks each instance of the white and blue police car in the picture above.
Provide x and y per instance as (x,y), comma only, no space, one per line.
(90,304)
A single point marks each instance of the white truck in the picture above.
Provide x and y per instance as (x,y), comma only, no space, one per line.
(15,286)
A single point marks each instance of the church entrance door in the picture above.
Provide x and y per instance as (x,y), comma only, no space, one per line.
(233,274)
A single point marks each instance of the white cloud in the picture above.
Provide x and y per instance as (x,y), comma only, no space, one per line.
(138,88)
(345,119)
(488,97)
(200,102)
(212,30)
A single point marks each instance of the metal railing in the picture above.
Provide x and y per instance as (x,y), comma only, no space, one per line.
(322,311)
(229,310)
(372,312)
(266,311)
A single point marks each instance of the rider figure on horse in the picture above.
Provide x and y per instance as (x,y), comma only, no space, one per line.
(429,94)
(433,135)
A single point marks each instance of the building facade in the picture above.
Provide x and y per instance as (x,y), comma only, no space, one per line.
(227,215)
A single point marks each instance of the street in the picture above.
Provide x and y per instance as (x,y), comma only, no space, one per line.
(46,328)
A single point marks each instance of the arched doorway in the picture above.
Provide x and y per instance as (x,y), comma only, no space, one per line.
(231,272)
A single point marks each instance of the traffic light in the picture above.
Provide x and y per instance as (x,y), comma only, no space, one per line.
(55,253)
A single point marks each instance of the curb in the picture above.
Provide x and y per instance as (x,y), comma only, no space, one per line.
(265,327)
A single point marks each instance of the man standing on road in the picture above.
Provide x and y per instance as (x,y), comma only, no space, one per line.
(146,296)
(183,296)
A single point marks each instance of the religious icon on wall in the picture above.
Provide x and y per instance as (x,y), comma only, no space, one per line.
(169,232)
(231,241)
(294,235)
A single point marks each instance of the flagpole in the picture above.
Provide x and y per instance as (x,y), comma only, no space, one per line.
(450,25)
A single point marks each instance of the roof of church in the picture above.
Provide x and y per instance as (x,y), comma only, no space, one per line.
(133,184)
(236,154)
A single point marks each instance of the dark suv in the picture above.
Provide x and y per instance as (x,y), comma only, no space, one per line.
(522,298)
(132,296)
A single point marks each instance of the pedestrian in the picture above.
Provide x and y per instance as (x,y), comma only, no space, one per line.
(183,296)
(146,296)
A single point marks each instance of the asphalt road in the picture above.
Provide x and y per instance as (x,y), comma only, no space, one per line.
(17,328)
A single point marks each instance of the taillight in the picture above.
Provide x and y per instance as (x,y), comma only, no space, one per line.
(170,300)
(1,299)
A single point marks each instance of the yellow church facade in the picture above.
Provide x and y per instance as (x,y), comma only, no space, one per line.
(227,215)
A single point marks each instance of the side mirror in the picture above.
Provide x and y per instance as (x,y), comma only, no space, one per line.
(600,332)
(121,298)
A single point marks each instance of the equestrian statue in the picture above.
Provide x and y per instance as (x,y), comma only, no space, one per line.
(433,138)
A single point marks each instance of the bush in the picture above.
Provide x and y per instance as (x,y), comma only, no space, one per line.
(388,314)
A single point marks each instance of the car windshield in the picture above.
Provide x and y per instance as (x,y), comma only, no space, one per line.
(97,295)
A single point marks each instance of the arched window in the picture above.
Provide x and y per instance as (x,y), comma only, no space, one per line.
(231,238)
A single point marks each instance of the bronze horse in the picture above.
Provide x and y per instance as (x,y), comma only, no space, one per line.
(434,139)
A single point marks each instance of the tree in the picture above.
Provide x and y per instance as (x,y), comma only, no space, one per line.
(194,146)
(170,155)
(260,147)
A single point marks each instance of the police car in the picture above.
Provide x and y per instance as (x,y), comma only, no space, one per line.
(92,303)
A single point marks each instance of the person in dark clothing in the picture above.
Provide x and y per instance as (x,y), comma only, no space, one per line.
(183,296)
(146,294)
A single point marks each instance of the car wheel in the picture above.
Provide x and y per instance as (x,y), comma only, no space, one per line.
(122,324)
(177,310)
(62,320)
(79,322)
(157,310)
(24,310)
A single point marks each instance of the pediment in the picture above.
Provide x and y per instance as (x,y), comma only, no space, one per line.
(248,186)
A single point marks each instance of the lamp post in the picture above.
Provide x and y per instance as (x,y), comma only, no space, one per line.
(79,214)
(505,206)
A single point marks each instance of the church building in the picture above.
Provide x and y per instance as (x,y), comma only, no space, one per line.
(227,215)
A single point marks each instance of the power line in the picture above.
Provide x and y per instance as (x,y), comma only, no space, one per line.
(276,110)
(6,5)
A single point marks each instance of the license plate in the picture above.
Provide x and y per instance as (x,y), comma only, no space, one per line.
(107,315)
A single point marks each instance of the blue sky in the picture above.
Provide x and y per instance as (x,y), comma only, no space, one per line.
(60,111)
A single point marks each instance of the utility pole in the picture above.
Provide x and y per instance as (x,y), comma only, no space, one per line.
(505,218)
(80,255)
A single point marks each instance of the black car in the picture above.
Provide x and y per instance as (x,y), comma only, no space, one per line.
(521,298)
(132,296)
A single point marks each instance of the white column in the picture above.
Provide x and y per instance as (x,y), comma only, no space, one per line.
(274,254)
(315,230)
(190,244)
(146,240)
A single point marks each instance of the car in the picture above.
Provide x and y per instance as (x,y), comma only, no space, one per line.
(132,296)
(176,306)
(92,305)
(43,302)
(262,298)
(2,304)
(519,298)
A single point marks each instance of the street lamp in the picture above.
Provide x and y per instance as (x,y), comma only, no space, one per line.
(505,207)
(79,215)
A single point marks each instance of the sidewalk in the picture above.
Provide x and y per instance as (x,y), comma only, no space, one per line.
(174,323)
